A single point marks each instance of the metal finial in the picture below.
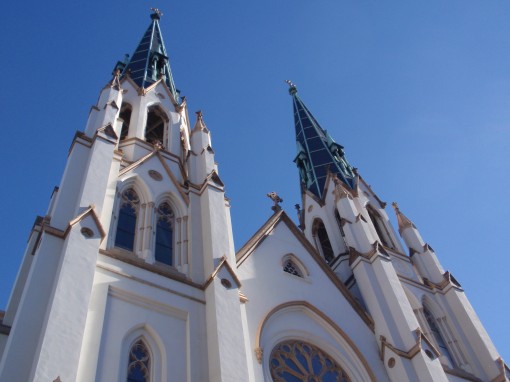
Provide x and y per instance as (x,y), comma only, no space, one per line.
(115,83)
(157,12)
(276,199)
(292,87)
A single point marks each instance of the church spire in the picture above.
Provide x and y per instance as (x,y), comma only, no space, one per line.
(317,152)
(150,61)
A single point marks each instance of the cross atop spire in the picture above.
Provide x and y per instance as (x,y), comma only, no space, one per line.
(157,13)
(317,152)
(150,63)
(292,87)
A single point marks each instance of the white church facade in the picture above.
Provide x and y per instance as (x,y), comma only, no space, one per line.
(132,273)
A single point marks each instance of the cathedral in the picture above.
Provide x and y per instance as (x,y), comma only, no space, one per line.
(132,273)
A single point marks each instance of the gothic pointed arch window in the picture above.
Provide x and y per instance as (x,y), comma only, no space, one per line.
(322,242)
(155,127)
(125,115)
(436,333)
(380,227)
(342,232)
(126,224)
(164,234)
(139,362)
(299,361)
(293,266)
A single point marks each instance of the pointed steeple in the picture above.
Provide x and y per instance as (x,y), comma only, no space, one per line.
(403,221)
(317,152)
(150,61)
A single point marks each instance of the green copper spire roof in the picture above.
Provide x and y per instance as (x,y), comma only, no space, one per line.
(317,152)
(150,61)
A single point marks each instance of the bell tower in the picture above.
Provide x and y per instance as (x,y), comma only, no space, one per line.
(133,263)
(424,325)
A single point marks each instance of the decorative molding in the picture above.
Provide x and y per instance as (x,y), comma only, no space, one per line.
(378,250)
(158,268)
(242,297)
(411,353)
(222,264)
(448,280)
(259,353)
(341,190)
(47,228)
(108,131)
(155,175)
(173,179)
(324,317)
(92,212)
(147,303)
(427,247)
(463,374)
(504,375)
(151,284)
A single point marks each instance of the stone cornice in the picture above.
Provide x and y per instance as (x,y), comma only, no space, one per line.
(160,269)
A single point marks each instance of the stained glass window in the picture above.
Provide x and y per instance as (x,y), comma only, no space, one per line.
(299,361)
(164,234)
(126,225)
(139,363)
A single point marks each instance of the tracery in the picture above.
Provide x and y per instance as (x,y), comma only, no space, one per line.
(299,361)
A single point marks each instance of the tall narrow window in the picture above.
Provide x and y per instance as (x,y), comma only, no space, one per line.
(341,228)
(380,228)
(164,234)
(155,128)
(126,225)
(443,349)
(139,363)
(125,114)
(322,240)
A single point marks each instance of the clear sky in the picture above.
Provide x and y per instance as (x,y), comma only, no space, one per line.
(418,93)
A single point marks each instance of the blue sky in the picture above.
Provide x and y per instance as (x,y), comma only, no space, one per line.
(418,93)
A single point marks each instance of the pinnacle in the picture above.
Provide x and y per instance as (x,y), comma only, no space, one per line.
(199,125)
(403,221)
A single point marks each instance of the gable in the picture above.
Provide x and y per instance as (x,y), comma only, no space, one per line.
(160,175)
(264,255)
